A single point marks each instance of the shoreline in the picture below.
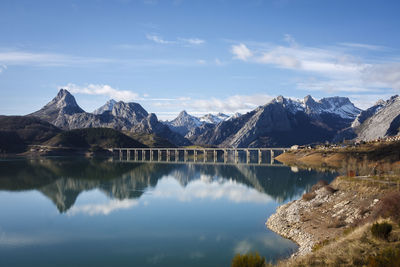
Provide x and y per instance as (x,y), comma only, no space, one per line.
(323,216)
(332,209)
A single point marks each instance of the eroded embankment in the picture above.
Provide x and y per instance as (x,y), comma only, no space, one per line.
(324,212)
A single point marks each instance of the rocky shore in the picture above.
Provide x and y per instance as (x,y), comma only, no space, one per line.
(322,214)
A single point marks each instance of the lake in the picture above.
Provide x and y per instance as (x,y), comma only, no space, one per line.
(87,212)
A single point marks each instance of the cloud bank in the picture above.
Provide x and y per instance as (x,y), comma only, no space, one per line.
(102,89)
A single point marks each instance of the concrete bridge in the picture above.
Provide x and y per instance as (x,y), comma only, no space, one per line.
(205,155)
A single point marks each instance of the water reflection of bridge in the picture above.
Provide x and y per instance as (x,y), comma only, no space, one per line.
(264,156)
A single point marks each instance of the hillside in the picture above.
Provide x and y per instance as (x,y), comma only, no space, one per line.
(150,140)
(282,122)
(17,132)
(91,137)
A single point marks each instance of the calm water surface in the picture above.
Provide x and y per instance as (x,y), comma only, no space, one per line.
(80,212)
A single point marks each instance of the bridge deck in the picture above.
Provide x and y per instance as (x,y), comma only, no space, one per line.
(199,154)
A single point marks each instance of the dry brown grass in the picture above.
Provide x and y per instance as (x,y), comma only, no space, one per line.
(354,249)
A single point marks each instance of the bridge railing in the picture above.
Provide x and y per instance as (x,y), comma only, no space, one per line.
(216,155)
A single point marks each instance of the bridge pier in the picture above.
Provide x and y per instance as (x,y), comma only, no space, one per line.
(272,156)
(225,155)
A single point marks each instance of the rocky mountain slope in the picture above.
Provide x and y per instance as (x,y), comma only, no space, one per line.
(214,119)
(378,121)
(283,122)
(64,112)
(184,123)
(188,125)
(108,106)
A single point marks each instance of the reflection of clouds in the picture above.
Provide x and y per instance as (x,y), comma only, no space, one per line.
(17,240)
(196,255)
(205,188)
(243,247)
(272,242)
(103,209)
(156,258)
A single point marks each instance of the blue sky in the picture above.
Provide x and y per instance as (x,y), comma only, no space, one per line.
(202,56)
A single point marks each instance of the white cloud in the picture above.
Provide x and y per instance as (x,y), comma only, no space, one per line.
(285,61)
(383,75)
(158,39)
(241,52)
(218,62)
(192,41)
(201,61)
(102,89)
(103,209)
(182,41)
(333,69)
(290,40)
(2,68)
(364,46)
(365,101)
(47,59)
(199,107)
(236,103)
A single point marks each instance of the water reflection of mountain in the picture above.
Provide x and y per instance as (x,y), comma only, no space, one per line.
(63,179)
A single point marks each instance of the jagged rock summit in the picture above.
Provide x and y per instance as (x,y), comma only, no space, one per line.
(379,121)
(108,106)
(63,103)
(184,123)
(282,122)
(64,112)
(214,119)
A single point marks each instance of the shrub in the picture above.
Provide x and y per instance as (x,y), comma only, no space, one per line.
(389,206)
(381,230)
(308,196)
(387,258)
(248,260)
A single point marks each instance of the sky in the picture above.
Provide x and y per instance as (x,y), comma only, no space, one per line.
(196,55)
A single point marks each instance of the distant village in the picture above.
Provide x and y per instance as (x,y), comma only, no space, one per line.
(346,143)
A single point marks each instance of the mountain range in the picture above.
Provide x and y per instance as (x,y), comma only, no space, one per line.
(64,112)
(281,122)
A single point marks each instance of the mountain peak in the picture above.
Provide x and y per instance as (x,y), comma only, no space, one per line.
(183,113)
(63,103)
(65,97)
(108,106)
(280,99)
(308,100)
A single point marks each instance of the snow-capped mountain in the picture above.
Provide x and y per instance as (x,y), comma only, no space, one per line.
(380,120)
(214,119)
(282,122)
(340,106)
(108,106)
(184,123)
